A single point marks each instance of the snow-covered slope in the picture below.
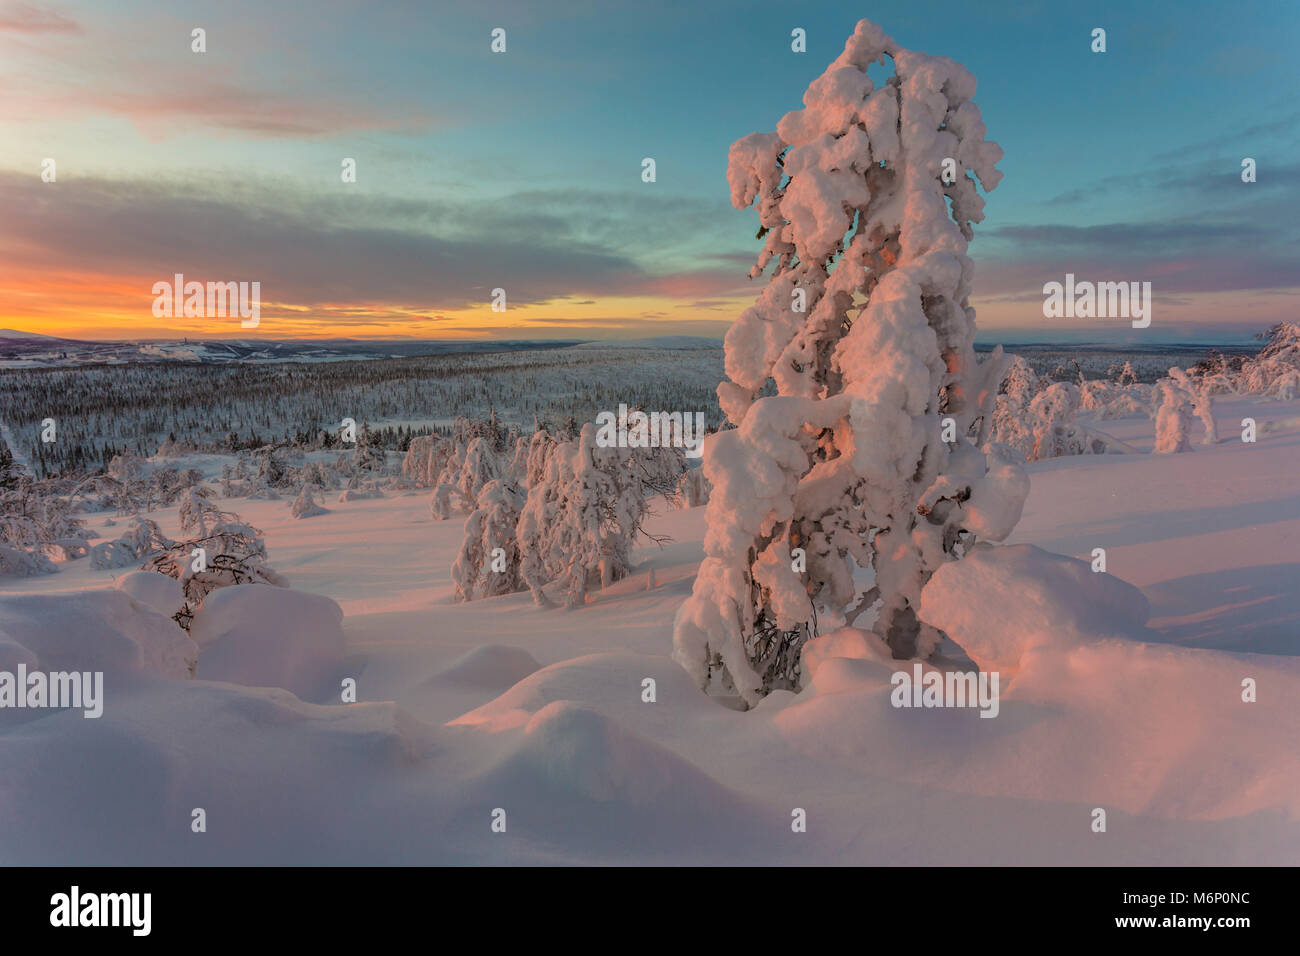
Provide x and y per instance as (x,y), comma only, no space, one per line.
(466,709)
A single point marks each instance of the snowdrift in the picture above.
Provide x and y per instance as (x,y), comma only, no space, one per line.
(105,630)
(265,636)
(1000,603)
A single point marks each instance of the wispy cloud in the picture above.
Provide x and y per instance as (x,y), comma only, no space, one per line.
(17,17)
(356,252)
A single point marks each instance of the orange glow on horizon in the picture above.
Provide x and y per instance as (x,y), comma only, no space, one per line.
(77,305)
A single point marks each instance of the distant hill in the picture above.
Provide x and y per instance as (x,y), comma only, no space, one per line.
(15,334)
(659,342)
(30,350)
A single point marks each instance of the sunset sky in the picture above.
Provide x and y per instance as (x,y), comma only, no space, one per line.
(522,170)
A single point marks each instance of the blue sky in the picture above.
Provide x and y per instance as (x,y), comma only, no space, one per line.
(522,169)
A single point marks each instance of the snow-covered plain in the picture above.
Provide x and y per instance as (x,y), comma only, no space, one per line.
(466,708)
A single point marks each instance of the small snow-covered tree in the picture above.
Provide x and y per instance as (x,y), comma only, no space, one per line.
(488,562)
(306,504)
(419,461)
(692,489)
(1200,393)
(1011,425)
(198,513)
(475,459)
(37,522)
(1275,371)
(576,529)
(540,446)
(125,484)
(481,465)
(1174,417)
(866,197)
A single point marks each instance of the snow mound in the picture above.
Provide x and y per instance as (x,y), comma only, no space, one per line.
(576,749)
(154,590)
(612,683)
(1000,603)
(491,666)
(264,636)
(100,630)
(573,776)
(163,748)
(847,642)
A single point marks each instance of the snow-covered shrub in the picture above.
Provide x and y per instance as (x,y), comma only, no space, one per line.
(23,562)
(1120,395)
(231,553)
(142,539)
(480,570)
(125,484)
(866,330)
(440,503)
(306,505)
(322,475)
(1039,418)
(37,522)
(271,472)
(1275,371)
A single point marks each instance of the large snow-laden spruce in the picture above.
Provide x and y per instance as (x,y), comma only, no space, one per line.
(867,232)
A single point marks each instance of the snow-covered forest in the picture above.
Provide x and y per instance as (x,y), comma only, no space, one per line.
(438,604)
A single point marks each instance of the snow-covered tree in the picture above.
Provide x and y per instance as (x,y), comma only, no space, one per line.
(576,529)
(692,489)
(1275,371)
(1200,393)
(475,458)
(37,522)
(488,562)
(419,464)
(1050,420)
(306,504)
(198,513)
(125,484)
(1011,427)
(1174,418)
(866,198)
